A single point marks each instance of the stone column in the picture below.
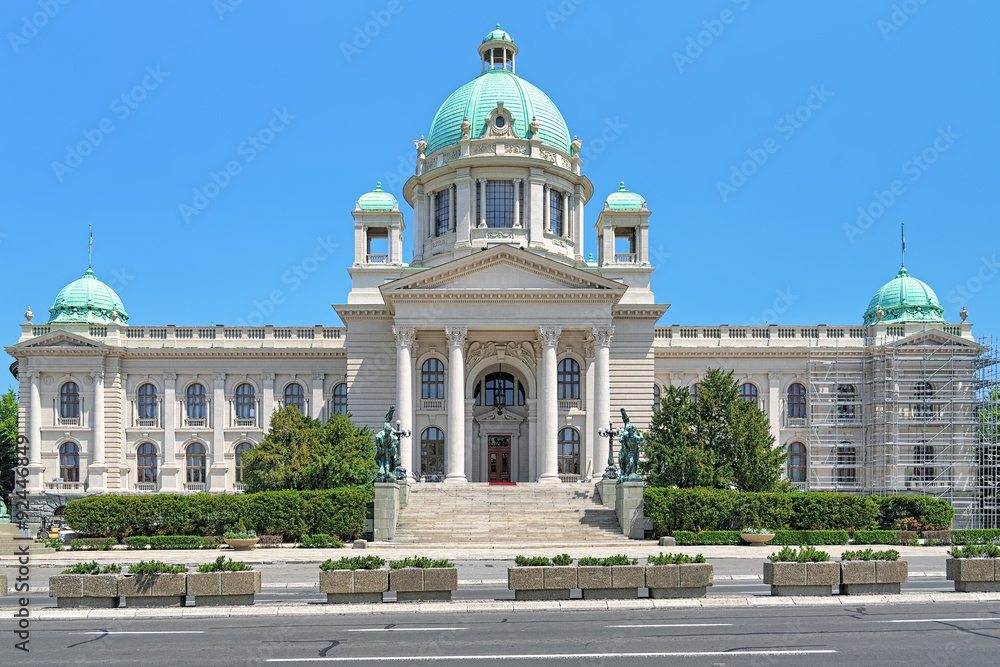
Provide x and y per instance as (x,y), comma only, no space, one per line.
(404,394)
(455,438)
(317,395)
(217,468)
(267,400)
(602,393)
(774,405)
(452,197)
(517,203)
(168,469)
(546,208)
(96,468)
(567,227)
(578,225)
(419,208)
(482,203)
(533,202)
(35,467)
(548,409)
(465,203)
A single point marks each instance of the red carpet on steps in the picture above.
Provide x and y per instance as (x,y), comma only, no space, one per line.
(503,483)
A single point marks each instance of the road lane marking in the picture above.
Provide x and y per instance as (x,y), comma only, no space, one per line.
(940,620)
(559,656)
(672,625)
(404,629)
(135,632)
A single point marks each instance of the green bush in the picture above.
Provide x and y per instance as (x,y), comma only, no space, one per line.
(562,559)
(93,543)
(610,560)
(93,567)
(869,554)
(155,567)
(806,554)
(320,541)
(686,538)
(702,509)
(923,512)
(987,536)
(810,537)
(353,563)
(532,561)
(675,559)
(220,564)
(976,551)
(419,561)
(876,537)
(165,542)
(339,512)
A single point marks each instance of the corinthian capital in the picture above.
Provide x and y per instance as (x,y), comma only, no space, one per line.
(456,336)
(404,336)
(97,374)
(550,336)
(602,336)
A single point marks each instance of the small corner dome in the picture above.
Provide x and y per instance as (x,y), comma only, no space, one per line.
(377,200)
(904,299)
(498,34)
(623,200)
(87,301)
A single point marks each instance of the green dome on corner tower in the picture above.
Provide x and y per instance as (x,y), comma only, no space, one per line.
(87,301)
(377,200)
(903,300)
(623,200)
(497,83)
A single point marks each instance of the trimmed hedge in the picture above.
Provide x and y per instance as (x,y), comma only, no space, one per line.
(876,537)
(930,513)
(339,512)
(686,538)
(166,542)
(801,537)
(987,536)
(93,543)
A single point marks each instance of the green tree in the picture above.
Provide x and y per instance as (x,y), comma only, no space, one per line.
(756,462)
(673,456)
(8,443)
(302,453)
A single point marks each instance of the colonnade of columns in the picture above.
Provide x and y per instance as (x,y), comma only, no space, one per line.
(547,405)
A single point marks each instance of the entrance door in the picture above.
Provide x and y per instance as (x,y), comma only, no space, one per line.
(499,458)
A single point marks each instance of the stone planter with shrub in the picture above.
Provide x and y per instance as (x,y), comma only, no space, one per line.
(223,583)
(241,539)
(3,585)
(871,572)
(422,579)
(154,584)
(542,578)
(804,571)
(359,579)
(88,585)
(612,578)
(678,576)
(975,568)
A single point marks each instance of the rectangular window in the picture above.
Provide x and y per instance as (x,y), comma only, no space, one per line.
(442,212)
(499,203)
(556,219)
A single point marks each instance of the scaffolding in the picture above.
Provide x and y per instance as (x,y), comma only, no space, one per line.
(987,412)
(898,416)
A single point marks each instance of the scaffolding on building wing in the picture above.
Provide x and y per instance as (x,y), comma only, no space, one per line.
(900,417)
(988,434)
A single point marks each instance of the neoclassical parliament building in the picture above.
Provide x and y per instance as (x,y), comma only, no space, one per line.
(503,342)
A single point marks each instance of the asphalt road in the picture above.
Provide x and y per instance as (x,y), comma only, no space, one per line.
(938,634)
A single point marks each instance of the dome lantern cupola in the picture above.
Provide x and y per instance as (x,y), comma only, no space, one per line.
(497,51)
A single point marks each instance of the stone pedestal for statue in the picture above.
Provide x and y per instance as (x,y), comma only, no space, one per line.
(629,508)
(606,487)
(404,490)
(386,510)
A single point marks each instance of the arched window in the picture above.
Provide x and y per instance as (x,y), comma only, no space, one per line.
(432,379)
(748,392)
(922,392)
(499,391)
(432,452)
(196,463)
(146,466)
(847,398)
(340,399)
(194,401)
(69,401)
(69,462)
(923,457)
(568,457)
(568,387)
(246,402)
(295,395)
(240,451)
(146,401)
(847,463)
(797,462)
(693,389)
(796,401)
(656,396)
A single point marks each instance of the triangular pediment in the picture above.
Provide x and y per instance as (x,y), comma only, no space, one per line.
(60,339)
(934,338)
(504,268)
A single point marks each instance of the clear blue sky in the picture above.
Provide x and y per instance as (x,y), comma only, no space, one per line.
(682,92)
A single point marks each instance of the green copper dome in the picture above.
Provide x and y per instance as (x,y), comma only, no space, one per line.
(377,200)
(498,34)
(87,301)
(623,200)
(904,299)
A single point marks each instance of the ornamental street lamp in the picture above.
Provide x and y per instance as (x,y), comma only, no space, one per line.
(611,472)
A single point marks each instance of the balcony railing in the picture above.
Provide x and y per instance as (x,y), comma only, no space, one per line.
(569,478)
(69,421)
(238,486)
(246,423)
(147,423)
(624,258)
(566,406)
(378,259)
(195,423)
(146,487)
(432,404)
(64,486)
(195,487)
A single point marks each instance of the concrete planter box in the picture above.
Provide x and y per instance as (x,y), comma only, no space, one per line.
(974,575)
(801,578)
(223,588)
(615,582)
(153,590)
(859,577)
(97,591)
(690,580)
(353,586)
(528,583)
(3,585)
(418,584)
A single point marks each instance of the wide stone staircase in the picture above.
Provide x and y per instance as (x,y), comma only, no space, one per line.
(531,514)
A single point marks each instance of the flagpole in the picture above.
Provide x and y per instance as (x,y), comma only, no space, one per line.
(90,249)
(902,238)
